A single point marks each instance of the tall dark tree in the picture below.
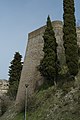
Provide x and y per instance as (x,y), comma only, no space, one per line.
(14,74)
(70,36)
(48,65)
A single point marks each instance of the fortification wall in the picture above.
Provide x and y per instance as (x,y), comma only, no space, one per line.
(30,75)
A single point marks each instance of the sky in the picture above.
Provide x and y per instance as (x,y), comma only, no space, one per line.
(20,17)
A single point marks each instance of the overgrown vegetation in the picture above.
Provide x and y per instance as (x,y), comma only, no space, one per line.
(55,103)
(14,75)
(60,102)
(5,103)
(70,37)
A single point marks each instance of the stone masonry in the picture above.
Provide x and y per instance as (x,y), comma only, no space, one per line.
(30,75)
(4,84)
(3,89)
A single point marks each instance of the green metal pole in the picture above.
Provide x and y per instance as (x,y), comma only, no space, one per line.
(26,87)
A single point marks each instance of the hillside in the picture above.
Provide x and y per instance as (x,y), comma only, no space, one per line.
(60,102)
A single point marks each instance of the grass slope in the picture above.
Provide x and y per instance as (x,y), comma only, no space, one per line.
(55,103)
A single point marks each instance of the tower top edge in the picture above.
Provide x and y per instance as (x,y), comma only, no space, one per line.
(40,30)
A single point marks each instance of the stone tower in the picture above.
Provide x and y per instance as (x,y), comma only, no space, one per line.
(30,75)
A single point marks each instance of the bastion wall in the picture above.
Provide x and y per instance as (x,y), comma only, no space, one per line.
(34,53)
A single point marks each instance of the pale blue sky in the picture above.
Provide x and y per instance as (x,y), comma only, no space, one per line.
(18,18)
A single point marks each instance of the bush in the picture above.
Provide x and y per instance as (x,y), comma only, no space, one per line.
(5,103)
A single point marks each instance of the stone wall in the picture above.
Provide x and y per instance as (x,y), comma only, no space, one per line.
(78,36)
(30,75)
(3,87)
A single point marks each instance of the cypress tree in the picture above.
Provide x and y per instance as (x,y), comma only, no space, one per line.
(48,67)
(70,36)
(14,74)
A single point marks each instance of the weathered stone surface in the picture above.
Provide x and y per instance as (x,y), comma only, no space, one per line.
(78,35)
(30,75)
(3,86)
